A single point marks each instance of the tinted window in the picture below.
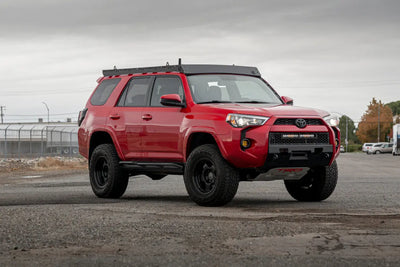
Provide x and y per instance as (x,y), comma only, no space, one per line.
(103,91)
(135,94)
(165,86)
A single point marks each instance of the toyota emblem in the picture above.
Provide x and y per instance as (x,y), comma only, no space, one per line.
(301,123)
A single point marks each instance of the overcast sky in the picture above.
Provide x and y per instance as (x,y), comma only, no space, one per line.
(332,55)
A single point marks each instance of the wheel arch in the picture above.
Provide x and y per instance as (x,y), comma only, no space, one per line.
(197,139)
(102,137)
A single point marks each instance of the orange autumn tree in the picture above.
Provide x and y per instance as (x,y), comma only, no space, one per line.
(377,113)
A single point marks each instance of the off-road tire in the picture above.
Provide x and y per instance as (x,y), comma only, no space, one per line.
(317,185)
(107,178)
(209,179)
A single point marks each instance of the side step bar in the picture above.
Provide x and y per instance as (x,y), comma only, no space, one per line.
(153,167)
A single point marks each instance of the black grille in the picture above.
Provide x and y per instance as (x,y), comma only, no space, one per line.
(298,138)
(291,121)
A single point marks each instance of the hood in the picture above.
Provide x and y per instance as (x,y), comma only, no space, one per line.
(269,110)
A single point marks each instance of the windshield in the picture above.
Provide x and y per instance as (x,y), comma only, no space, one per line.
(218,88)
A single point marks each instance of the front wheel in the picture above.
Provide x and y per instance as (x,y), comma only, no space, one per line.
(107,178)
(318,184)
(209,179)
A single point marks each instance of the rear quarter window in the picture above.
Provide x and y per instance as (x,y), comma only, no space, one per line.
(103,91)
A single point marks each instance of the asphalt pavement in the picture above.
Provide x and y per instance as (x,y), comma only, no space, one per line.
(53,218)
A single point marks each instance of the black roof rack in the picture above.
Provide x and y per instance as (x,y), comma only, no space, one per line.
(188,69)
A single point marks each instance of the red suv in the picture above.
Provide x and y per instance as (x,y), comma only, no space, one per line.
(216,125)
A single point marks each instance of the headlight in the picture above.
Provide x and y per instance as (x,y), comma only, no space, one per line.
(241,121)
(332,120)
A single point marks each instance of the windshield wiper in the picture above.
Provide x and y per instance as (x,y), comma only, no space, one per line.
(253,101)
(214,101)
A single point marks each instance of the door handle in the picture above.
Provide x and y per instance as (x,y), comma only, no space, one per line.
(147,117)
(115,116)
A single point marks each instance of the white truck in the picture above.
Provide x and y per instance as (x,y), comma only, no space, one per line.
(396,140)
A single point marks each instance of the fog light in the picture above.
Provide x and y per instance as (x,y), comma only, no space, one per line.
(245,143)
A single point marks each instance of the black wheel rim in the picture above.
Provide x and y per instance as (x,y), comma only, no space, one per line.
(101,172)
(205,176)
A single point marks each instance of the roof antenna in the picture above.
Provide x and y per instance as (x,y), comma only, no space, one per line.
(179,61)
(115,67)
(167,63)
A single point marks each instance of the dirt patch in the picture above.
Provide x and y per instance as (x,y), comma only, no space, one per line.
(60,163)
(42,164)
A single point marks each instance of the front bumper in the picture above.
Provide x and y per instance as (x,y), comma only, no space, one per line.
(298,156)
(267,152)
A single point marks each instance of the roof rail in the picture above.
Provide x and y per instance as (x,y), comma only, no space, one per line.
(188,69)
(167,68)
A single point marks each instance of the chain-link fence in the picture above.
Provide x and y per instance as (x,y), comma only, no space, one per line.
(18,141)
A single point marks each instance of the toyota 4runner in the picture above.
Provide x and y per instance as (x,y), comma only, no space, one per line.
(216,125)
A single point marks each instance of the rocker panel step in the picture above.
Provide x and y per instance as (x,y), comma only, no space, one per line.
(153,167)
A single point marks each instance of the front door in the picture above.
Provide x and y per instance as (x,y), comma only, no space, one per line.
(162,137)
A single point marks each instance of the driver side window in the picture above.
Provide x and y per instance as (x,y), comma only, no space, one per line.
(165,85)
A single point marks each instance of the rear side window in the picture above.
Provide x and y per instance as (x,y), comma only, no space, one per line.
(103,91)
(136,93)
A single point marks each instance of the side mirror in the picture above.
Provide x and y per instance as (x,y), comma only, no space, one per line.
(287,100)
(172,100)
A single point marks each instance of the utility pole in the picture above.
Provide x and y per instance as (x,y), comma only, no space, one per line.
(379,122)
(2,109)
(347,129)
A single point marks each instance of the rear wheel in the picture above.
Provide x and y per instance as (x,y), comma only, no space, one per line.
(209,179)
(107,178)
(318,184)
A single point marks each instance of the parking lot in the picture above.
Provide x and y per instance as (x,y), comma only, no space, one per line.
(53,218)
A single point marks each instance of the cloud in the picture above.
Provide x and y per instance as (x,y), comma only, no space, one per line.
(322,53)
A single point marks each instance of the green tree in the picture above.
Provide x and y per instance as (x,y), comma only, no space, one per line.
(351,130)
(395,107)
(377,116)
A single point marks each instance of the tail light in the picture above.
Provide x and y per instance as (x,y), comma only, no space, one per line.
(81,116)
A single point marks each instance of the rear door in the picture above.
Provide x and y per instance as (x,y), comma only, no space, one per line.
(126,117)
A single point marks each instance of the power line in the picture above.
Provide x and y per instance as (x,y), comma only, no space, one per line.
(36,115)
